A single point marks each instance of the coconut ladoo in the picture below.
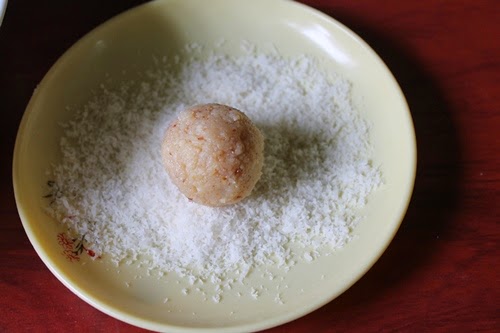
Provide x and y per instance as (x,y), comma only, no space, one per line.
(214,154)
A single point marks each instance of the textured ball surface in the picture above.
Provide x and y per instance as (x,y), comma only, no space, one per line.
(214,154)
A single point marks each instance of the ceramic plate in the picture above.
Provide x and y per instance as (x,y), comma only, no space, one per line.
(3,8)
(128,41)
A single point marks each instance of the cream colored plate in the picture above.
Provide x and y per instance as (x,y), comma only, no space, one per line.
(160,28)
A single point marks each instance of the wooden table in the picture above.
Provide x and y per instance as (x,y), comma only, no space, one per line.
(441,272)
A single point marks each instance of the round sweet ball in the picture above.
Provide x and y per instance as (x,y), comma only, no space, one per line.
(214,154)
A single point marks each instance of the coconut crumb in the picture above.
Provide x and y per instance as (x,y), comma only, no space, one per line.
(317,147)
(254,293)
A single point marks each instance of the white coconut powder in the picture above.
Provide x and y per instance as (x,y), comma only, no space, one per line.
(317,171)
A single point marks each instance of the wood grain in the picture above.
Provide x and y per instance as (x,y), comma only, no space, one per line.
(441,272)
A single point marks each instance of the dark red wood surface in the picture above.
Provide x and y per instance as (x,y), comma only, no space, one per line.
(441,272)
